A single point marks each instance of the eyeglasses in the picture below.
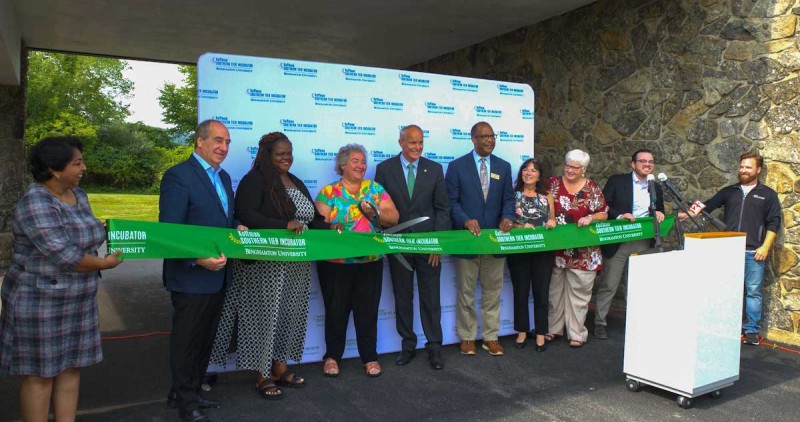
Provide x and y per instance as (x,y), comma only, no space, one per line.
(645,161)
(576,168)
(284,154)
(486,137)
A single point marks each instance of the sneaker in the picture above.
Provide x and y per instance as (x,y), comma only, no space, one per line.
(752,339)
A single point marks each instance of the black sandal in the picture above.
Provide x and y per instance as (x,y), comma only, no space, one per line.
(295,381)
(269,390)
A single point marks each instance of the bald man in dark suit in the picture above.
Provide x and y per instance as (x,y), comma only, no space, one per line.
(417,188)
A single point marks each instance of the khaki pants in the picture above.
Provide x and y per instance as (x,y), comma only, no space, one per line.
(570,292)
(612,274)
(489,271)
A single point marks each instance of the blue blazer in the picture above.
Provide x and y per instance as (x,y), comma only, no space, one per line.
(188,197)
(466,196)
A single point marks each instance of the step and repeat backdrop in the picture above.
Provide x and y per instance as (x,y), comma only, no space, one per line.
(323,106)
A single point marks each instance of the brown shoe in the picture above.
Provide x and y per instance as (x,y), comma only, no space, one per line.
(468,347)
(494,348)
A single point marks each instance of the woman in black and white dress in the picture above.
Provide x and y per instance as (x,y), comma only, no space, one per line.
(267,301)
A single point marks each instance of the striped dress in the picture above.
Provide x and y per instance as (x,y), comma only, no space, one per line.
(49,320)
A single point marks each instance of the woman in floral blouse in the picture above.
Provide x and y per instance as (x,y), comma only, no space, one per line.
(531,271)
(353,284)
(577,200)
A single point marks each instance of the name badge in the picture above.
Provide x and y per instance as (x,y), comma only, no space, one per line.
(495,176)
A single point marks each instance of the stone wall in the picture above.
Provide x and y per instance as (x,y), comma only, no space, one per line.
(12,127)
(697,81)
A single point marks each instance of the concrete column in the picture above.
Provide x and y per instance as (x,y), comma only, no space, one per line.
(12,158)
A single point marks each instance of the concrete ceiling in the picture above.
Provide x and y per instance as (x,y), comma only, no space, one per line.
(382,33)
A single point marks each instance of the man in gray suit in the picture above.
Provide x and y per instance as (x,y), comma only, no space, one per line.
(417,188)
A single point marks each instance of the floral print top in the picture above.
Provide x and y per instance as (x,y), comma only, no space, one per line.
(571,208)
(532,210)
(344,209)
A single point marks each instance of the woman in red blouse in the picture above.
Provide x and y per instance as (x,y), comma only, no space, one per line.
(576,200)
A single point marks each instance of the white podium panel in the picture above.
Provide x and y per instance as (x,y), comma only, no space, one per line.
(684,313)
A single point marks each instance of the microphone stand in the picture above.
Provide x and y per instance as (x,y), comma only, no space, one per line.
(656,228)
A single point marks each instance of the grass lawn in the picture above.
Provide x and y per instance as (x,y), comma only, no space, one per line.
(124,206)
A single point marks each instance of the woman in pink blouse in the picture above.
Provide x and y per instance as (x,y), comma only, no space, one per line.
(576,200)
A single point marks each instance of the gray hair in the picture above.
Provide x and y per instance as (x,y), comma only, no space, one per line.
(202,129)
(405,130)
(579,156)
(344,154)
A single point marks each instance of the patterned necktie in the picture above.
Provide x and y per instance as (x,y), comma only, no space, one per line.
(484,179)
(410,179)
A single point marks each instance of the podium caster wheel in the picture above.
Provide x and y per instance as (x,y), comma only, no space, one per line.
(684,402)
(632,385)
(715,394)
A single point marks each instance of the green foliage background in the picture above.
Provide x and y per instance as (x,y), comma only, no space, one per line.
(85,96)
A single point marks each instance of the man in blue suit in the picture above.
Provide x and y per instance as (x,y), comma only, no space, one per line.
(197,191)
(481,197)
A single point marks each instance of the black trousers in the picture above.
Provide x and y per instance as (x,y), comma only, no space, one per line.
(194,323)
(531,272)
(346,288)
(430,307)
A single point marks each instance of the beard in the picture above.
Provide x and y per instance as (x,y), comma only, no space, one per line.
(747,178)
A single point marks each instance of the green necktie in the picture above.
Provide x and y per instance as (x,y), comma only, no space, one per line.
(410,179)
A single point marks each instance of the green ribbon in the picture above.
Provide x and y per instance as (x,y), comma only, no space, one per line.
(148,240)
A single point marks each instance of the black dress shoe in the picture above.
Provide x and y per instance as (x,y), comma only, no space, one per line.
(205,403)
(196,415)
(404,358)
(541,348)
(520,344)
(435,359)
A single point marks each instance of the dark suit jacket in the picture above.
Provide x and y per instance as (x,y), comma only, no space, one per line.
(619,197)
(429,197)
(256,209)
(466,196)
(188,197)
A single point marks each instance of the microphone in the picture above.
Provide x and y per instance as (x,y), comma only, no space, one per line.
(665,180)
(696,206)
(651,189)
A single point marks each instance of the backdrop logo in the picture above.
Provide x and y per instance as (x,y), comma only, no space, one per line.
(208,94)
(441,159)
(224,65)
(434,108)
(460,135)
(504,136)
(457,85)
(290,125)
(310,183)
(378,156)
(321,154)
(233,124)
(408,80)
(289,69)
(425,132)
(258,96)
(381,104)
(482,111)
(253,150)
(351,128)
(524,157)
(354,75)
(510,90)
(526,114)
(326,101)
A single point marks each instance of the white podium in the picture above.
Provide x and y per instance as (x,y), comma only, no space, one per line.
(684,315)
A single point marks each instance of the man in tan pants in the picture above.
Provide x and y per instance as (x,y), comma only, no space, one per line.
(479,188)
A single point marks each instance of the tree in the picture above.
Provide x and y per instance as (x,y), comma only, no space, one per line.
(92,88)
(180,103)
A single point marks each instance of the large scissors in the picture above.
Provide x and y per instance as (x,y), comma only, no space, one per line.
(394,229)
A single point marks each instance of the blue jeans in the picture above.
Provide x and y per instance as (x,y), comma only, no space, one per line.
(753,284)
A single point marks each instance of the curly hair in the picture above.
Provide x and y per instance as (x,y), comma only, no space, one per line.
(272,180)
